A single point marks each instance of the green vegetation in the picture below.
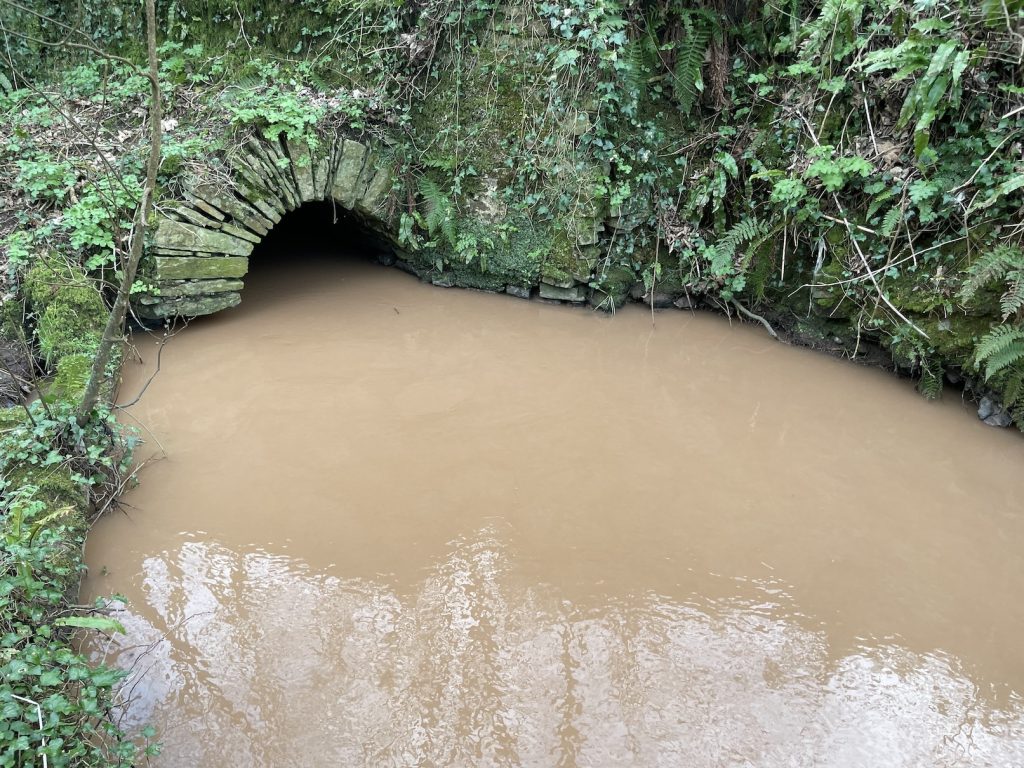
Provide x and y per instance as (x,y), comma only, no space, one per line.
(49,487)
(842,167)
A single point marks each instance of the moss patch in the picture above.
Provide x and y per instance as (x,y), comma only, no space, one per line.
(72,376)
(54,486)
(70,313)
(71,324)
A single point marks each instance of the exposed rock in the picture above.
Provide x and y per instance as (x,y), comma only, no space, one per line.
(240,233)
(208,209)
(283,165)
(660,299)
(405,266)
(574,294)
(178,289)
(486,204)
(985,408)
(999,419)
(179,236)
(588,231)
(200,267)
(242,213)
(377,191)
(519,291)
(993,414)
(192,306)
(190,215)
(302,168)
(269,162)
(346,177)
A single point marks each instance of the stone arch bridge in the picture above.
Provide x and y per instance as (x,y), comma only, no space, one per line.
(202,241)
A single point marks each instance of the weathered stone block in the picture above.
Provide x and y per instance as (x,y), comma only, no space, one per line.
(241,233)
(323,176)
(192,216)
(189,306)
(576,294)
(208,209)
(275,168)
(587,231)
(243,213)
(256,189)
(200,267)
(377,190)
(302,168)
(556,277)
(196,288)
(188,237)
(181,236)
(346,177)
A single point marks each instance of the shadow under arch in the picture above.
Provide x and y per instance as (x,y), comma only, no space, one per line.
(321,229)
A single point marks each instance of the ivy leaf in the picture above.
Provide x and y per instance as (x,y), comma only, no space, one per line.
(566,58)
(829,172)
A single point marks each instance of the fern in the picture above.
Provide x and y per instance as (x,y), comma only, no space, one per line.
(930,383)
(744,231)
(439,209)
(688,82)
(833,34)
(636,65)
(1012,394)
(891,220)
(1000,349)
(1012,301)
(1003,263)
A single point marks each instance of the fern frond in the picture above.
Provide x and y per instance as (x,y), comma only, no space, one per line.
(1012,301)
(930,383)
(435,203)
(687,81)
(1013,392)
(635,69)
(746,230)
(1002,347)
(991,266)
(832,34)
(999,361)
(891,220)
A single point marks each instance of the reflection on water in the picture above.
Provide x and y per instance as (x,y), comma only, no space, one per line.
(479,668)
(397,525)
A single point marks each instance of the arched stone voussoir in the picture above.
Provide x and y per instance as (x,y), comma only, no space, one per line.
(202,241)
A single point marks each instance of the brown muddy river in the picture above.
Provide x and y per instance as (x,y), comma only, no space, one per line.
(401,525)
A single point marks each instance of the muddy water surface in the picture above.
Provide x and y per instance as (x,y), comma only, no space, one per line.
(402,525)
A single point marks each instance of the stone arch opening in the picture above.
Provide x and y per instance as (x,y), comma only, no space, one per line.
(208,226)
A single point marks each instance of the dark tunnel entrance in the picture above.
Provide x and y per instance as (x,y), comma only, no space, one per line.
(320,230)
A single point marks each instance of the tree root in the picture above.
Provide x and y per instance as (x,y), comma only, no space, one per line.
(747,313)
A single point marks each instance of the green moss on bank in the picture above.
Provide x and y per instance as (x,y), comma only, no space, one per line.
(70,313)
